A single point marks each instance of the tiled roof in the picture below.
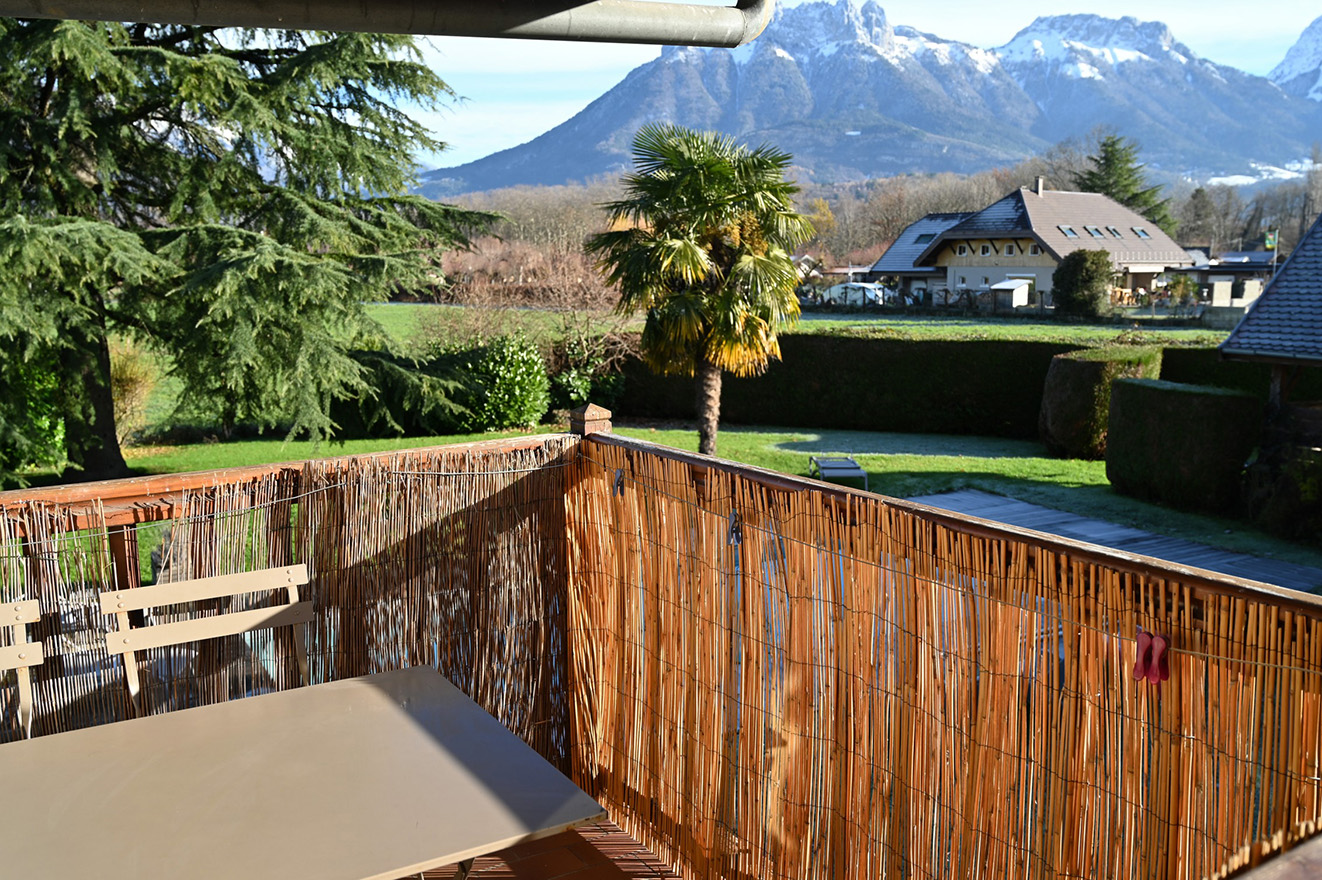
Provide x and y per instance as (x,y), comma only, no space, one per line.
(900,256)
(1042,216)
(1285,323)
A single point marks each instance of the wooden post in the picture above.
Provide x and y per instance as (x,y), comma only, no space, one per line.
(589,419)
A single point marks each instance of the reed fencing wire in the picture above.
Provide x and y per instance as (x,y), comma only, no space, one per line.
(775,681)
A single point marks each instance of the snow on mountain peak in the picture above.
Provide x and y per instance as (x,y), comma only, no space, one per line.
(1301,70)
(1087,45)
(822,28)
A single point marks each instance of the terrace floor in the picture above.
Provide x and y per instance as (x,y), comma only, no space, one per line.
(1094,531)
(594,852)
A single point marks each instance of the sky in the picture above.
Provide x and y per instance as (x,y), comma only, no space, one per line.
(513,90)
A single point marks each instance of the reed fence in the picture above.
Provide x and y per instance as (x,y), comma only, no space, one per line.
(452,557)
(759,676)
(773,680)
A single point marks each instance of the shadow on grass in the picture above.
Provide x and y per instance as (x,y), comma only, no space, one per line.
(874,442)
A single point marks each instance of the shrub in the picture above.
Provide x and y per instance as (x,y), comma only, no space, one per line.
(31,415)
(133,378)
(1076,398)
(498,384)
(1183,445)
(1081,284)
(405,398)
(586,369)
(507,385)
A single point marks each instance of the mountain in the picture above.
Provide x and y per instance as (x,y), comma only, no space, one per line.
(852,96)
(1190,115)
(1300,74)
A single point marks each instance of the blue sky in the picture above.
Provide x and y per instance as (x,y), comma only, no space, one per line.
(513,90)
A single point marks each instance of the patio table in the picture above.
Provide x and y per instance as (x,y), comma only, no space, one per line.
(380,776)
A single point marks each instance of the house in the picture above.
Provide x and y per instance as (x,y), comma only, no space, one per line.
(1234,279)
(1283,330)
(899,261)
(1025,235)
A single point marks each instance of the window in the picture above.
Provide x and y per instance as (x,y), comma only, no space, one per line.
(1094,231)
(963,282)
(1069,231)
(1115,233)
(1035,250)
(1009,250)
(925,238)
(962,250)
(986,282)
(1140,232)
(986,250)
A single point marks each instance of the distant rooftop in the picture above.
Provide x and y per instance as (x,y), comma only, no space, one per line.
(900,257)
(1063,222)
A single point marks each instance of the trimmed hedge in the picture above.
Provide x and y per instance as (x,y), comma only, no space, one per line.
(1203,366)
(1182,445)
(1076,398)
(986,387)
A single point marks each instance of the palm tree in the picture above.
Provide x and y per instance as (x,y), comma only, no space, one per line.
(701,242)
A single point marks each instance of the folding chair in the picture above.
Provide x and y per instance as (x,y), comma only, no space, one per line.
(128,640)
(21,655)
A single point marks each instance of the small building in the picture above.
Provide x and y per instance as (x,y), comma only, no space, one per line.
(1025,235)
(1010,294)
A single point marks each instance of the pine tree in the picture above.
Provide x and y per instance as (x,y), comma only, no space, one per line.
(231,197)
(1198,219)
(1117,174)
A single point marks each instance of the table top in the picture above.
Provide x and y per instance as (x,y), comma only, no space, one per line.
(375,777)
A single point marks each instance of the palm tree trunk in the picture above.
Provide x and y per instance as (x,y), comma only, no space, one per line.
(709,406)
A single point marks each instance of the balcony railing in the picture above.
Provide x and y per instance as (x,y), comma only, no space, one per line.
(759,676)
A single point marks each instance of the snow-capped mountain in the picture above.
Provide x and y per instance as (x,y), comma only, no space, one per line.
(1301,72)
(1191,115)
(852,96)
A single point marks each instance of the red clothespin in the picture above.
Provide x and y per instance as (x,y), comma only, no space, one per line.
(1153,661)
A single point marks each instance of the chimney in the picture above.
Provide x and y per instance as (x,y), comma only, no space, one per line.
(1039,185)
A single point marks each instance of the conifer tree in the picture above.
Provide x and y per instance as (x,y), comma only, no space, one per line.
(230,197)
(1117,173)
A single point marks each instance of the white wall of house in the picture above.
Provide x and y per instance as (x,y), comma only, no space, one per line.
(983,277)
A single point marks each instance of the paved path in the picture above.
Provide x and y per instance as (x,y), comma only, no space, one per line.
(1069,525)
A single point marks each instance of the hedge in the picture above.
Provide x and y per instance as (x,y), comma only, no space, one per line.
(1204,366)
(1183,445)
(1076,398)
(985,387)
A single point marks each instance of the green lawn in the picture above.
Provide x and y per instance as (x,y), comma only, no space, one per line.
(1009,329)
(899,465)
(187,457)
(405,323)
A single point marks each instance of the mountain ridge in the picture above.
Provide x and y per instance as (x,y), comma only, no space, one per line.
(852,96)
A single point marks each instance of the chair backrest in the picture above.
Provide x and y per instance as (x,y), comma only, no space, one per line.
(127,640)
(21,655)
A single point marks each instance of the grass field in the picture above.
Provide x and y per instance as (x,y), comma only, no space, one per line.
(406,323)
